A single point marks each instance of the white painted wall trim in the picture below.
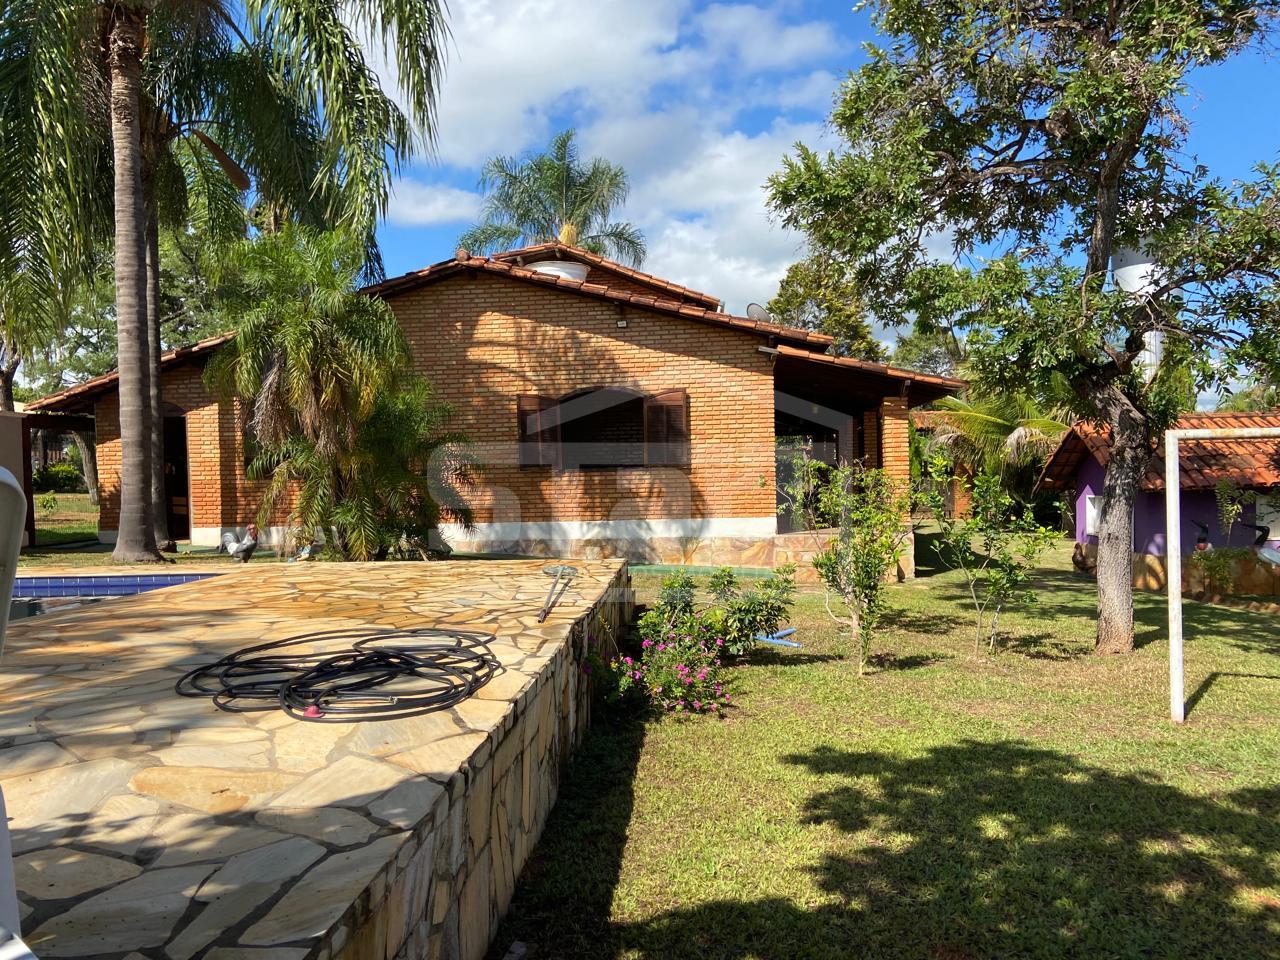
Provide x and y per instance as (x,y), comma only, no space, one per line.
(557,530)
(212,536)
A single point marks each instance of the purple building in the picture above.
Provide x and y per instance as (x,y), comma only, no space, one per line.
(1076,469)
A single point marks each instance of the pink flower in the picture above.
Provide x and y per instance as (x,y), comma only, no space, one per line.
(647,644)
(637,674)
(657,689)
(719,642)
(702,675)
(697,704)
(628,661)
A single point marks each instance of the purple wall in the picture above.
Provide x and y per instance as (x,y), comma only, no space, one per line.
(1148,516)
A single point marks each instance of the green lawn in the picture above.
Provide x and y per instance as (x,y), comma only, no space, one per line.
(73,519)
(1032,804)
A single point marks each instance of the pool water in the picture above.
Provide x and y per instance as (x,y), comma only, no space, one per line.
(33,596)
(109,585)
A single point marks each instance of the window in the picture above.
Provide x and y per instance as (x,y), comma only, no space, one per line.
(1092,512)
(604,427)
(1269,513)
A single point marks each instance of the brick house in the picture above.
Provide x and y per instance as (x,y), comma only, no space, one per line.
(613,412)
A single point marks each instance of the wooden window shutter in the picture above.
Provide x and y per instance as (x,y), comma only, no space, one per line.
(666,429)
(538,431)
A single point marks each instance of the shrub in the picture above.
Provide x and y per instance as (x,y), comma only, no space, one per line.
(48,503)
(745,614)
(995,549)
(58,478)
(675,597)
(871,514)
(680,671)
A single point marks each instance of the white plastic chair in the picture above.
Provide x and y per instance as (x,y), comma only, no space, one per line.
(13,515)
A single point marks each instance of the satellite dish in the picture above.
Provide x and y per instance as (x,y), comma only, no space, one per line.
(759,313)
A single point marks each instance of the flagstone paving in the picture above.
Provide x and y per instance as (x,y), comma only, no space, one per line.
(151,825)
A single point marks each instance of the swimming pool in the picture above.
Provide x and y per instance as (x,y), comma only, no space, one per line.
(33,596)
(106,585)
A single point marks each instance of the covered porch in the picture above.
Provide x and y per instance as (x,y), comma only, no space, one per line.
(844,410)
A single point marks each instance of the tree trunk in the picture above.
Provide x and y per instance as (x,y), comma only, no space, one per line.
(136,537)
(159,502)
(8,371)
(89,459)
(1130,454)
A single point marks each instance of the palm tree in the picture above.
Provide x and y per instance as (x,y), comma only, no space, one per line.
(552,196)
(387,490)
(998,434)
(312,353)
(320,370)
(66,63)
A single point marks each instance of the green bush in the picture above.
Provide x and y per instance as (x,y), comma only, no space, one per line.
(682,648)
(679,671)
(58,478)
(742,615)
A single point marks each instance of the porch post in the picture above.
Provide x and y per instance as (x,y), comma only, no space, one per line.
(895,460)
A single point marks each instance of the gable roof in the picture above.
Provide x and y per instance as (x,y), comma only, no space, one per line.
(543,251)
(82,394)
(657,302)
(667,298)
(1203,463)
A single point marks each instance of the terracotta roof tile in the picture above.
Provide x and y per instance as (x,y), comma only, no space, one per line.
(639,276)
(1203,463)
(83,391)
(503,267)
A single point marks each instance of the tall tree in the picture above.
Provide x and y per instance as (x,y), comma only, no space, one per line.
(312,51)
(1038,137)
(555,196)
(328,410)
(816,294)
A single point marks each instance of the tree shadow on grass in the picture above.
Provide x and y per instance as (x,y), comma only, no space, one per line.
(976,850)
(768,656)
(563,901)
(933,624)
(911,661)
(1219,675)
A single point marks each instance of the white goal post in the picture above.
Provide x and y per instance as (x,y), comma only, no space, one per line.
(1173,543)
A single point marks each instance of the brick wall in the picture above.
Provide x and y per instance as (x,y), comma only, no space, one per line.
(895,438)
(220,493)
(481,342)
(871,438)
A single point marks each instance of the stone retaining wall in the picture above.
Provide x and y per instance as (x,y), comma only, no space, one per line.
(452,882)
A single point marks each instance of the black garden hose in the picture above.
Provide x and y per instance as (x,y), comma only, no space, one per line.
(344,676)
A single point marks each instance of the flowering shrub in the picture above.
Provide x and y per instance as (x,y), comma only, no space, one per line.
(679,668)
(679,671)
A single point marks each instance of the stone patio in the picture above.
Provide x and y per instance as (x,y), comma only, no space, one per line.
(150,825)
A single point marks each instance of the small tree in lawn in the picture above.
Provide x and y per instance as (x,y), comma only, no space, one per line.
(994,548)
(870,512)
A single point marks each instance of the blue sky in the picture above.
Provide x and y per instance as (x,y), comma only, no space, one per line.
(700,102)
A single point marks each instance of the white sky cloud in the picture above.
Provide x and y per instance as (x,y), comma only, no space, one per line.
(681,95)
(418,204)
(754,38)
